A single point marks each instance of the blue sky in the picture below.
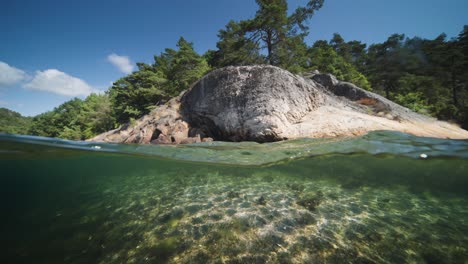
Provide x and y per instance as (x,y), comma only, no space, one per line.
(54,50)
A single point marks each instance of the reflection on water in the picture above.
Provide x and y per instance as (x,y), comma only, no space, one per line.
(66,205)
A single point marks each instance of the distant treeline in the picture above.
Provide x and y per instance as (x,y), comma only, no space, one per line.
(427,76)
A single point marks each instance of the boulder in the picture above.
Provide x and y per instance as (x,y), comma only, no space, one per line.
(256,103)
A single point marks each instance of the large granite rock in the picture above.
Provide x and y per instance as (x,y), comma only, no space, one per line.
(249,103)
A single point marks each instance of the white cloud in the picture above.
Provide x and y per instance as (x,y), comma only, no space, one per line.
(121,62)
(58,82)
(10,75)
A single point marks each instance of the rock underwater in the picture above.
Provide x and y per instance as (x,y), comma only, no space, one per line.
(265,103)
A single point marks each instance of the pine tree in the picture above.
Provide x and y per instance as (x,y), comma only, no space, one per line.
(234,48)
(187,67)
(276,30)
(271,30)
(172,72)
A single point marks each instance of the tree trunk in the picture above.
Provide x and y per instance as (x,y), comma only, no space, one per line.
(454,84)
(270,47)
(454,90)
(387,89)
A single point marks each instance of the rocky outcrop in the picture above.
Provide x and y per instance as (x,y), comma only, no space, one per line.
(164,125)
(266,103)
(365,99)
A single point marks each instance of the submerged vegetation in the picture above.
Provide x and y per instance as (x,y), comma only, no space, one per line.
(427,76)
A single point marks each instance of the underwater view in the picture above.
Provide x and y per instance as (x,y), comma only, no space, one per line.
(386,197)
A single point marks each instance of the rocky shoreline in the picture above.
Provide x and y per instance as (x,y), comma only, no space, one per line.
(265,103)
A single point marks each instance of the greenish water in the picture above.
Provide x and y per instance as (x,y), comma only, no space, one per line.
(365,200)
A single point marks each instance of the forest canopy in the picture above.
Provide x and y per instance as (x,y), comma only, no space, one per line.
(429,76)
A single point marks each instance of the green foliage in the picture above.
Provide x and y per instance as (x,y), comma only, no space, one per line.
(269,27)
(385,64)
(234,48)
(180,68)
(76,119)
(73,133)
(132,95)
(96,115)
(172,72)
(325,59)
(293,54)
(187,67)
(425,91)
(353,52)
(414,101)
(422,74)
(279,33)
(13,123)
(45,125)
(280,36)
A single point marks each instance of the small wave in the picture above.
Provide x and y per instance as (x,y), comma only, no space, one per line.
(251,153)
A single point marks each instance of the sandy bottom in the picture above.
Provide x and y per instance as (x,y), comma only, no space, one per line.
(265,217)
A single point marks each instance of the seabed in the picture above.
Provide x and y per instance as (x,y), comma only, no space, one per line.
(73,206)
(265,217)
